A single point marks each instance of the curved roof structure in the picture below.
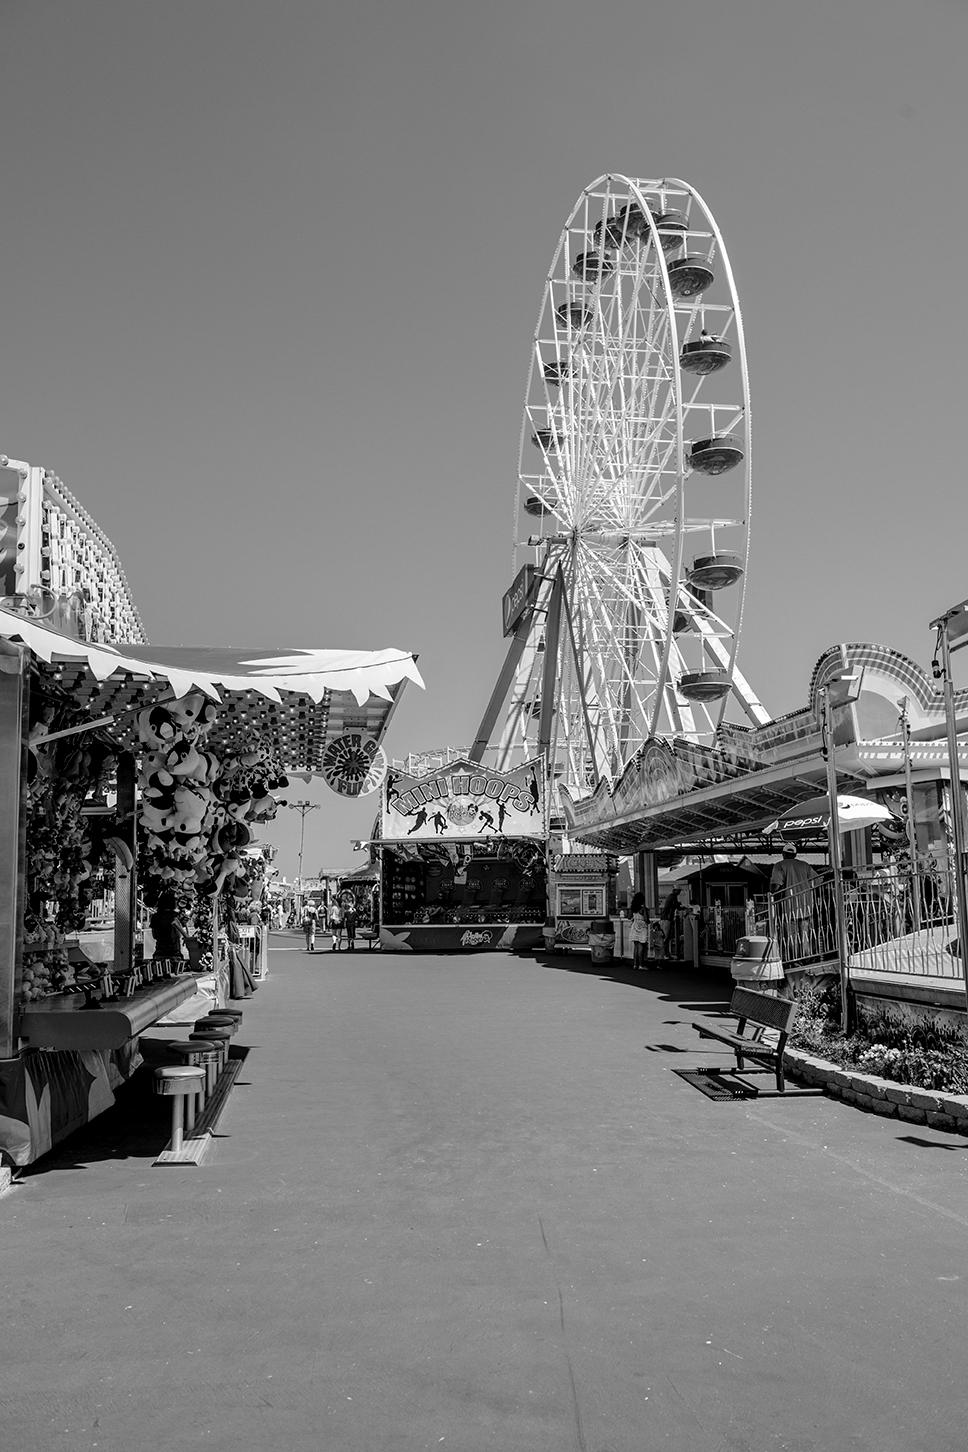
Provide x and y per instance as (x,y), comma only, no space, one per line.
(296,700)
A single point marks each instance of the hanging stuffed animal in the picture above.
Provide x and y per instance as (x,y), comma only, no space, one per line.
(194,713)
(157,727)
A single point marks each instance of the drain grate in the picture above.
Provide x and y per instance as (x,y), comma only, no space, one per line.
(716,1084)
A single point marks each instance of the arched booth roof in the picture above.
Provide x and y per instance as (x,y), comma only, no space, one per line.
(887,675)
(297,700)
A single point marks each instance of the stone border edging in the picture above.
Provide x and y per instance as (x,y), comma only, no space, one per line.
(931,1107)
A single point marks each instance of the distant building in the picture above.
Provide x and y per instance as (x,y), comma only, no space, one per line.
(57,566)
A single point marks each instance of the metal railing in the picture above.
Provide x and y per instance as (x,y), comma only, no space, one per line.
(724,928)
(803,924)
(253,946)
(903,922)
(895,922)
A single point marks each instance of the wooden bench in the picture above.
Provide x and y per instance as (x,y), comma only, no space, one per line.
(759,1011)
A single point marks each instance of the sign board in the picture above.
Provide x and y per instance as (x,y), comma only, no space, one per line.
(519,597)
(466,801)
(353,765)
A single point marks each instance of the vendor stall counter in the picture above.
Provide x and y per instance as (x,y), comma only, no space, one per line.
(68,1021)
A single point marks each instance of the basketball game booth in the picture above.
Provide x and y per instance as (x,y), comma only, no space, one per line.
(463,859)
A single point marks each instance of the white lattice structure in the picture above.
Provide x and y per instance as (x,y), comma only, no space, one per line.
(57,565)
(422,763)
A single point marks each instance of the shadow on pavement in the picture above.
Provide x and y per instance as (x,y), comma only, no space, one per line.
(928,1143)
(136,1127)
(688,987)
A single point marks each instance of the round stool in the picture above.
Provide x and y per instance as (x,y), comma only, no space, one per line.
(209,1055)
(235,1013)
(178,1081)
(195,1056)
(218,1020)
(211,1021)
(219,1035)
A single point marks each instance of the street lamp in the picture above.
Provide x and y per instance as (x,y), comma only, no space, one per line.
(952,629)
(840,689)
(303,808)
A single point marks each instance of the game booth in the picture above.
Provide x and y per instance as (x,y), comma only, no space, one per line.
(463,859)
(582,895)
(133,780)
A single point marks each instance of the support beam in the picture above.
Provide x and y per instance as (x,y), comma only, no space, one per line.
(498,696)
(647,879)
(14,695)
(125,878)
(580,678)
(547,721)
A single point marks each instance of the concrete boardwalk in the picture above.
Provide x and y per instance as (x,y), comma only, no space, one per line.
(465,1204)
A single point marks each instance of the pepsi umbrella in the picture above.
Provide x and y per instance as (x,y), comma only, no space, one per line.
(812,818)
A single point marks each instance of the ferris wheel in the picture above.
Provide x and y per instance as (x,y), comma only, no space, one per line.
(634,488)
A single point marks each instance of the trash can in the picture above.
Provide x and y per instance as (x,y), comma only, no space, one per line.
(601,940)
(757,964)
(549,932)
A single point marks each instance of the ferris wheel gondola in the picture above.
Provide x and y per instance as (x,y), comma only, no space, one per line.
(635,471)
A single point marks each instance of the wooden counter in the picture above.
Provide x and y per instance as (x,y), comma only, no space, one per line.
(63,1022)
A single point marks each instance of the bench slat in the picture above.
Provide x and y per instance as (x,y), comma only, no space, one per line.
(749,1046)
(763,1008)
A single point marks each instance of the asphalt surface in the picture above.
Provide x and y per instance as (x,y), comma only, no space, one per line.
(465,1204)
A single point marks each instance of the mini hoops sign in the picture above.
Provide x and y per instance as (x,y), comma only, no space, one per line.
(464,800)
(353,765)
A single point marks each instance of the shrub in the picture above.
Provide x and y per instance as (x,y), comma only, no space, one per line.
(818,1021)
(924,1068)
(927,1053)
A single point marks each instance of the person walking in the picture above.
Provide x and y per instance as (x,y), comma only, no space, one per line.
(336,926)
(349,923)
(640,930)
(309,926)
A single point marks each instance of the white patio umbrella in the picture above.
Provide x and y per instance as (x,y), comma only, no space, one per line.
(812,817)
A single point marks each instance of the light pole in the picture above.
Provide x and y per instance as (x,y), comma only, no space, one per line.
(303,808)
(839,690)
(952,628)
(909,822)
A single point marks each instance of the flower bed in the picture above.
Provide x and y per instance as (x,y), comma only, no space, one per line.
(916,1071)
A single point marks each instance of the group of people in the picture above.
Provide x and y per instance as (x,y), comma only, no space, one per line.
(340,921)
(653,938)
(648,934)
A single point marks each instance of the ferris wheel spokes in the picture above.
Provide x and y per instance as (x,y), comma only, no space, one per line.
(637,432)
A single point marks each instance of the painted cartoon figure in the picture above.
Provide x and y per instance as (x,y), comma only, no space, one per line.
(420,820)
(533,789)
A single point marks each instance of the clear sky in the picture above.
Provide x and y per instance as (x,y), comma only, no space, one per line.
(271,270)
